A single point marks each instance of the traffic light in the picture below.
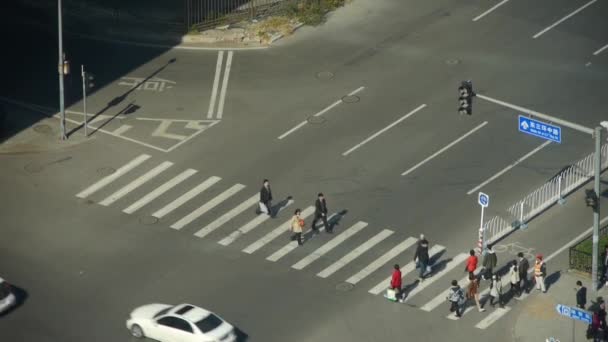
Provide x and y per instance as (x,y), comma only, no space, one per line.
(465,97)
(591,198)
(89,80)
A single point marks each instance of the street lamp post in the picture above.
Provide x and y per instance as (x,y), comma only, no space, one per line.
(61,72)
(596,211)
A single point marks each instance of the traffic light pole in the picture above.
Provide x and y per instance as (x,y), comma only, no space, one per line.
(84,99)
(61,61)
(596,211)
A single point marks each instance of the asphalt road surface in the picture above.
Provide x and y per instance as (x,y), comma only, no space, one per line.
(158,205)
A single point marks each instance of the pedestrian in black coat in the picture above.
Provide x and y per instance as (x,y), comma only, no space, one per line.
(266,197)
(581,295)
(321,214)
(523,267)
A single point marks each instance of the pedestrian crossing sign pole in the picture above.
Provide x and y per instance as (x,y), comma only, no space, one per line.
(484,201)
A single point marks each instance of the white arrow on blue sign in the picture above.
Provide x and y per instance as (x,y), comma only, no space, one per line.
(540,129)
(574,313)
(483,200)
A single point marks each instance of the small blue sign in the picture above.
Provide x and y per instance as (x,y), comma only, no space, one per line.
(574,313)
(483,200)
(540,129)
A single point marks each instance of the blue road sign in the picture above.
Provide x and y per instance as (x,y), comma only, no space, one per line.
(483,200)
(540,129)
(574,313)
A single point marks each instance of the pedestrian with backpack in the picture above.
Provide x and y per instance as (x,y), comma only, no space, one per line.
(456,298)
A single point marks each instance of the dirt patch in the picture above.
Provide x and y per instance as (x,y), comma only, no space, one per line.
(541,307)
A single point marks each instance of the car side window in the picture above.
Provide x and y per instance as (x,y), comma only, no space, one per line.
(175,323)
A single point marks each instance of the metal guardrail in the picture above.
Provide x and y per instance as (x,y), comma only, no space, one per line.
(542,198)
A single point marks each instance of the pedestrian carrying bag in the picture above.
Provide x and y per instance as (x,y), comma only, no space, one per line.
(391,295)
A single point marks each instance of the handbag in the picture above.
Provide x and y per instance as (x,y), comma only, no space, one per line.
(263,208)
(391,295)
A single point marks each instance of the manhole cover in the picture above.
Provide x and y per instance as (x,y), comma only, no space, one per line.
(43,129)
(86,201)
(345,287)
(350,99)
(325,75)
(148,220)
(105,171)
(34,167)
(452,61)
(315,120)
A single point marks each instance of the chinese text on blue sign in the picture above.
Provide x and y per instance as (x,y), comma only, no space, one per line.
(574,313)
(540,129)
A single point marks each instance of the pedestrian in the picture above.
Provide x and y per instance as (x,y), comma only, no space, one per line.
(514,279)
(321,213)
(456,299)
(296,227)
(581,295)
(523,267)
(540,272)
(471,265)
(396,283)
(489,263)
(266,198)
(473,291)
(496,291)
(604,260)
(421,258)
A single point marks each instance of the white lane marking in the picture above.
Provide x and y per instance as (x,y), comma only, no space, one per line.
(444,149)
(512,165)
(122,129)
(159,191)
(220,108)
(216,81)
(228,216)
(181,223)
(409,267)
(441,298)
(492,317)
(290,246)
(373,136)
(352,255)
(282,229)
(207,126)
(490,10)
(327,247)
(301,124)
(456,261)
(136,183)
(161,131)
(386,257)
(186,197)
(563,19)
(600,50)
(110,178)
(249,226)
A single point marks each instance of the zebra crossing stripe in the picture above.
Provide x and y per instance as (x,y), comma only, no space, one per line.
(352,255)
(376,264)
(457,260)
(227,216)
(492,317)
(249,226)
(110,178)
(435,302)
(159,191)
(282,229)
(136,183)
(186,197)
(331,244)
(207,206)
(411,266)
(290,246)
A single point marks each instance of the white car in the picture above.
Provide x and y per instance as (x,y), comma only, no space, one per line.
(179,323)
(7,298)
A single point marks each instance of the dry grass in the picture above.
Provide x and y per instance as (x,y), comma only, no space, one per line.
(274,24)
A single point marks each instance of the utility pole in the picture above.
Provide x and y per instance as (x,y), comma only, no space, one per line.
(84,99)
(61,71)
(596,210)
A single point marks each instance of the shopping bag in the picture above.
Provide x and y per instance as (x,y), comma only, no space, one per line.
(428,269)
(263,208)
(391,295)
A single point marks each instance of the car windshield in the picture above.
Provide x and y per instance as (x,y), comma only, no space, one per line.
(209,323)
(5,290)
(162,312)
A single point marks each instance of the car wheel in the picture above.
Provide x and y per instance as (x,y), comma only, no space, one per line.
(137,331)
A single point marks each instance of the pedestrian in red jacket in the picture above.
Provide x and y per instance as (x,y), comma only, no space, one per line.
(396,282)
(471,263)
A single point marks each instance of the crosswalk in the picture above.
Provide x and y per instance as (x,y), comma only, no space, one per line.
(201,205)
